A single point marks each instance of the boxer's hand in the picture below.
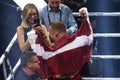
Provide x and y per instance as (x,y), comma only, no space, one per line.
(83,11)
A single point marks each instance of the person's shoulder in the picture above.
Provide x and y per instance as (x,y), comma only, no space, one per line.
(19,28)
(43,25)
(65,6)
(19,75)
(21,78)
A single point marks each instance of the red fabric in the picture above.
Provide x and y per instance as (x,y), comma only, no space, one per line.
(84,29)
(67,61)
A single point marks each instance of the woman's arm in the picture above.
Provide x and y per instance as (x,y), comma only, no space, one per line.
(24,45)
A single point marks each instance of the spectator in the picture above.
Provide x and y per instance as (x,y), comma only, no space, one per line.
(30,66)
(29,14)
(55,11)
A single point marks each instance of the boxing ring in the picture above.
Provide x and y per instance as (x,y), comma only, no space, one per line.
(112,35)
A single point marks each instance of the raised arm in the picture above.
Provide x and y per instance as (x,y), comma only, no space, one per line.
(85,28)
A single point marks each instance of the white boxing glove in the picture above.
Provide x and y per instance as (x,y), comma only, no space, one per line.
(32,38)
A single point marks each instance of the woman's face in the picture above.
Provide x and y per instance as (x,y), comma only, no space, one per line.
(32,16)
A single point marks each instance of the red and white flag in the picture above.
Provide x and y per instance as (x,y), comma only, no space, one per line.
(68,54)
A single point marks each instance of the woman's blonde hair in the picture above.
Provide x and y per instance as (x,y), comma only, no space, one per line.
(25,13)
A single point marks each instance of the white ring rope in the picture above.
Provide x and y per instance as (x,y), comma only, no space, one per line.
(99,14)
(99,78)
(8,48)
(106,35)
(14,70)
(106,56)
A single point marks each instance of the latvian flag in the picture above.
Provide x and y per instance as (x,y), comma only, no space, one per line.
(68,54)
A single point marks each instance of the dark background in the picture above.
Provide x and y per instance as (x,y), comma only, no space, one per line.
(9,20)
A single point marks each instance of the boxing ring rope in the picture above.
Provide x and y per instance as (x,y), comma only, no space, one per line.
(106,35)
(14,70)
(99,14)
(99,78)
(8,48)
(5,53)
(105,56)
(93,56)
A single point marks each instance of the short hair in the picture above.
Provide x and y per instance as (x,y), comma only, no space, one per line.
(27,57)
(59,26)
(25,13)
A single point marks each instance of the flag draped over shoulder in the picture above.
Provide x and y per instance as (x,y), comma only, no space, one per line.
(68,54)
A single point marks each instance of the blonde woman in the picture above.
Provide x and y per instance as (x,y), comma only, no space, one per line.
(29,14)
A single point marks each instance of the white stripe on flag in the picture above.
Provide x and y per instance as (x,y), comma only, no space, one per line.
(78,42)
